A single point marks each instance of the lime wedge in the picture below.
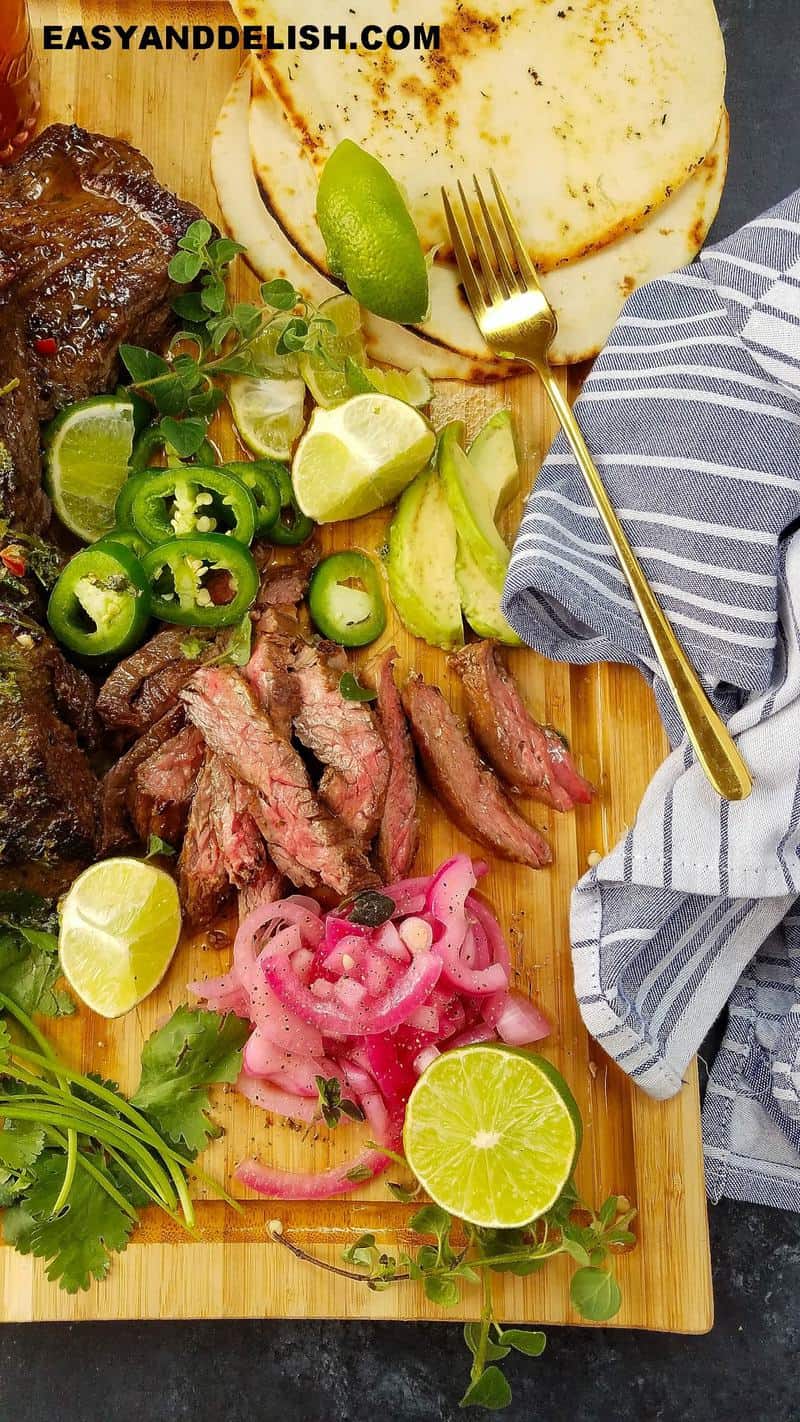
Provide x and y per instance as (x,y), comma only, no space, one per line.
(87,449)
(359,456)
(371,240)
(492,1134)
(413,386)
(120,925)
(268,414)
(266,360)
(325,370)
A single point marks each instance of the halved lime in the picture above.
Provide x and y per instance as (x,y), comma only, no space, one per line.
(359,456)
(413,386)
(268,414)
(492,1134)
(370,237)
(325,370)
(120,925)
(87,449)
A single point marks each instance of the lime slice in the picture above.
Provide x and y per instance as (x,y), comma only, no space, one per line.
(492,1134)
(268,414)
(120,925)
(266,360)
(413,386)
(87,449)
(359,456)
(325,372)
(371,240)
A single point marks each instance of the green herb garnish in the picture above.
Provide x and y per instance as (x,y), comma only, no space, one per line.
(333,1106)
(352,690)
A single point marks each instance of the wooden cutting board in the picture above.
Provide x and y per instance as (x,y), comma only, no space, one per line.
(167,104)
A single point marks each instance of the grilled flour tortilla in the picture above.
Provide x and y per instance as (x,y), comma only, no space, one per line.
(592,113)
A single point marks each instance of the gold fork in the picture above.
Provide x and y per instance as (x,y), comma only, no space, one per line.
(517,321)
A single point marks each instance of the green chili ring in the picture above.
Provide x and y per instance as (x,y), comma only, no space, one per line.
(100,605)
(345,599)
(181,502)
(176,573)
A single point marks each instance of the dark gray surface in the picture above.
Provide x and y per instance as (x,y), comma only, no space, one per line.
(331,1372)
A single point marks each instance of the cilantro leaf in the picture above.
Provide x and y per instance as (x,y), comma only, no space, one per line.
(29,970)
(21,1143)
(194,1050)
(79,1242)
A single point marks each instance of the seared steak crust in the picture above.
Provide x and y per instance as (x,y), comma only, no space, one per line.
(305,842)
(202,881)
(161,789)
(143,687)
(115,830)
(471,794)
(47,790)
(530,758)
(398,835)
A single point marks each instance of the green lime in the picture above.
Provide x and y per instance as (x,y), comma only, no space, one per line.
(325,370)
(371,240)
(268,414)
(492,1134)
(359,456)
(120,925)
(87,449)
(413,386)
(266,359)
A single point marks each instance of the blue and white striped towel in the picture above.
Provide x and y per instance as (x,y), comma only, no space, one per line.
(693,415)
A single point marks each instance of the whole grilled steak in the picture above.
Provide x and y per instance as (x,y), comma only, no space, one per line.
(530,758)
(471,794)
(47,789)
(306,843)
(398,835)
(86,237)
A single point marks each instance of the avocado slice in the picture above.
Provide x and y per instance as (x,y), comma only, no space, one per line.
(470,505)
(480,600)
(493,456)
(421,564)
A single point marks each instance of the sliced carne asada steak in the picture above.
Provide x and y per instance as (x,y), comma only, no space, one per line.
(143,687)
(203,884)
(470,793)
(268,670)
(529,757)
(343,736)
(116,830)
(48,792)
(304,840)
(241,842)
(266,889)
(161,788)
(398,836)
(284,584)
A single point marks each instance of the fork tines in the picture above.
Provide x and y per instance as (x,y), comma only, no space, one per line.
(491,276)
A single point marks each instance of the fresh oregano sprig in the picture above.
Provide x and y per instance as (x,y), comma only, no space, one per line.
(445,1265)
(216,338)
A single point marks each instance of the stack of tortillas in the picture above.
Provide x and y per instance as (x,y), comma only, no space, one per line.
(604,122)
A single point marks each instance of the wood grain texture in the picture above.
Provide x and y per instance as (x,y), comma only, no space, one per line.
(167,104)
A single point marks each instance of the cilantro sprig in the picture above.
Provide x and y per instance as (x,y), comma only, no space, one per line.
(455,1255)
(79,1159)
(217,337)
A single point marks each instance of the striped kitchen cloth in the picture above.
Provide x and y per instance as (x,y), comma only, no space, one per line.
(693,416)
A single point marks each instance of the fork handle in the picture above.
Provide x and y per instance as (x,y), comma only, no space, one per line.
(712,741)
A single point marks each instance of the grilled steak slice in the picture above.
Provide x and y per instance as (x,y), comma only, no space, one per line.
(115,825)
(529,757)
(305,842)
(202,881)
(143,687)
(47,790)
(398,835)
(22,499)
(267,888)
(344,738)
(284,584)
(268,670)
(471,794)
(161,789)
